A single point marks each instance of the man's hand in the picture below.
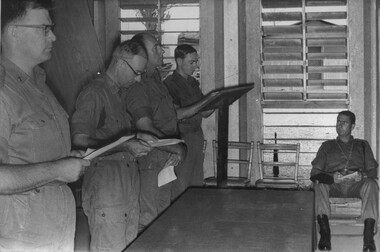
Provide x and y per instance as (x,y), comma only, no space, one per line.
(146,137)
(137,147)
(70,169)
(337,177)
(77,153)
(177,156)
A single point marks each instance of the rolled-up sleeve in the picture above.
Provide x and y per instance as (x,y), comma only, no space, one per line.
(319,162)
(87,113)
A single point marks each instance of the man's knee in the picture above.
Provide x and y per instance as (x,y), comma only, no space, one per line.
(371,184)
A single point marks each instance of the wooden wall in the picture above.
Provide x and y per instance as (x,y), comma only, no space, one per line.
(230,39)
(76,56)
(364,67)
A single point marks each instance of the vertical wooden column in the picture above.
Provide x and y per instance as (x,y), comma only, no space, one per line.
(252,61)
(107,26)
(212,66)
(76,56)
(242,57)
(223,118)
(0,25)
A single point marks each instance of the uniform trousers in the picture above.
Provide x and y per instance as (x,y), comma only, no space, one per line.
(153,199)
(366,189)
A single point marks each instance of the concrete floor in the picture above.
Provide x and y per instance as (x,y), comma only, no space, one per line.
(346,232)
(348,237)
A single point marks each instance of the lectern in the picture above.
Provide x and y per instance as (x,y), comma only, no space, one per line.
(222,101)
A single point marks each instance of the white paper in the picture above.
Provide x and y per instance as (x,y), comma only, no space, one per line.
(165,142)
(93,153)
(166,175)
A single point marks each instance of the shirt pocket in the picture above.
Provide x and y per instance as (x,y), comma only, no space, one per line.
(36,121)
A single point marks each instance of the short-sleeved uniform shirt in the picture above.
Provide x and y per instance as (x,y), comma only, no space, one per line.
(101,113)
(333,154)
(33,128)
(185,92)
(150,98)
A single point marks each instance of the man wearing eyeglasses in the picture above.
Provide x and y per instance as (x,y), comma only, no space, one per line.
(37,208)
(111,185)
(152,110)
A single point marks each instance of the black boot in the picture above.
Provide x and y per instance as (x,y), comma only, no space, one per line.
(369,243)
(324,229)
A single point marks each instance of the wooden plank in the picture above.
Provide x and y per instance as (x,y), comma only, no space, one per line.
(233,220)
(283,82)
(281,3)
(326,132)
(285,29)
(326,2)
(325,15)
(327,69)
(282,69)
(338,55)
(326,29)
(284,56)
(327,42)
(281,16)
(76,56)
(269,42)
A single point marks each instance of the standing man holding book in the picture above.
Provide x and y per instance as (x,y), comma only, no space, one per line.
(188,99)
(152,110)
(37,208)
(111,185)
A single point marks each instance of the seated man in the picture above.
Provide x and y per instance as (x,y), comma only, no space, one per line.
(345,167)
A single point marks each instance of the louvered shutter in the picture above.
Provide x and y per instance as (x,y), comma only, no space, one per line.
(304,52)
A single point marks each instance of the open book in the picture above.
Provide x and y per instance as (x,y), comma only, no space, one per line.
(93,153)
(165,142)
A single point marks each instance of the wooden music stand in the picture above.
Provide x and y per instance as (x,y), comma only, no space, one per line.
(222,101)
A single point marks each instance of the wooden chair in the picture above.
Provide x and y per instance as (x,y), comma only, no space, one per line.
(287,161)
(240,155)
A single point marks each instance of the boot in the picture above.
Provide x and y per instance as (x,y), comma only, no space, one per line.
(369,243)
(324,243)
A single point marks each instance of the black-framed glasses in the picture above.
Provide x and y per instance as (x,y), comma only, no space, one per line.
(46,28)
(137,73)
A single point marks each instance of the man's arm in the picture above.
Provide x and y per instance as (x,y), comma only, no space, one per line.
(137,147)
(21,178)
(371,165)
(189,111)
(178,151)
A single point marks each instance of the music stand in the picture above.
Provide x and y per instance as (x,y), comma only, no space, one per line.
(222,101)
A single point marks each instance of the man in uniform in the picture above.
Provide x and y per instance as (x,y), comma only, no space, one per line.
(111,185)
(346,167)
(152,111)
(188,100)
(37,208)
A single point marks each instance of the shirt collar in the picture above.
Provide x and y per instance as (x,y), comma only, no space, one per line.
(349,141)
(178,75)
(18,73)
(111,84)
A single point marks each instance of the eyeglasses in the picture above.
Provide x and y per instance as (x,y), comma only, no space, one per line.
(45,28)
(137,73)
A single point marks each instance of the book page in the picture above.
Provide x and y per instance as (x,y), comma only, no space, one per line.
(93,153)
(165,142)
(166,175)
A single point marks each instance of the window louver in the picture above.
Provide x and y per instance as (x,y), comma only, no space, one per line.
(304,51)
